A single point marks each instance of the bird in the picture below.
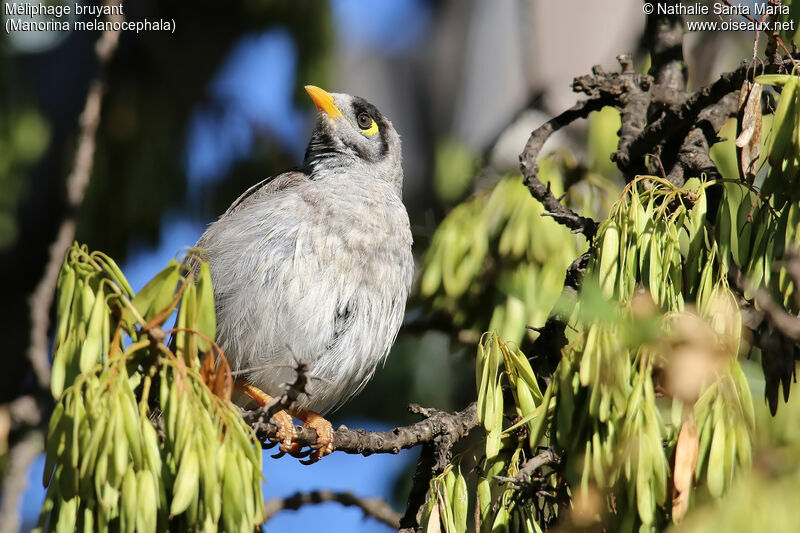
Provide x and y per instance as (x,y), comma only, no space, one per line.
(315,265)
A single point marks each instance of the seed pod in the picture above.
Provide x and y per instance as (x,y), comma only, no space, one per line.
(100,473)
(745,396)
(86,303)
(93,345)
(502,521)
(483,381)
(444,493)
(232,493)
(763,236)
(536,426)
(655,265)
(66,290)
(185,487)
(67,515)
(494,428)
(77,412)
(206,315)
(56,436)
(146,504)
(783,124)
(609,257)
(250,505)
(744,449)
(645,501)
(730,455)
(120,451)
(597,459)
(588,367)
(524,399)
(460,503)
(58,375)
(156,295)
(112,269)
(129,494)
(130,423)
(91,451)
(151,446)
(716,461)
(522,367)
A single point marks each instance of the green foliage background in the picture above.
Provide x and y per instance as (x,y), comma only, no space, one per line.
(650,407)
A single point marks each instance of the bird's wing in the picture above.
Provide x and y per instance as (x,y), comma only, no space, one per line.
(266,186)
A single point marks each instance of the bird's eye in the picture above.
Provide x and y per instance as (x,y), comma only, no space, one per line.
(364,121)
(367,124)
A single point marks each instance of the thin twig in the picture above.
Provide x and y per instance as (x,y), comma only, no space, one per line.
(375,508)
(423,473)
(77,181)
(20,457)
(291,392)
(523,478)
(530,168)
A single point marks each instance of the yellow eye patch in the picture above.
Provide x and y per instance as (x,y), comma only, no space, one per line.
(372,130)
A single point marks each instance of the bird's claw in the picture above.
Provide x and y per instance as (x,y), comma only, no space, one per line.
(324,429)
(286,433)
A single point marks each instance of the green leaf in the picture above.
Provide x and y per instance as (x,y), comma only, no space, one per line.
(156,295)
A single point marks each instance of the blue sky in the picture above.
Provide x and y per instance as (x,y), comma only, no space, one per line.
(364,476)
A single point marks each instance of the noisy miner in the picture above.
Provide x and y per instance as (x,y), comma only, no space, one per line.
(315,265)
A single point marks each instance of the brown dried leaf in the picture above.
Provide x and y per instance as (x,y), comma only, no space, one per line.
(748,129)
(223,379)
(216,374)
(686,451)
(207,368)
(435,521)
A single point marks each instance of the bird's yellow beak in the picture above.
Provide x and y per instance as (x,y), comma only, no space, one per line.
(323,100)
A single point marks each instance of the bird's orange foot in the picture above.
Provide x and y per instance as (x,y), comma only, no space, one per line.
(286,434)
(324,431)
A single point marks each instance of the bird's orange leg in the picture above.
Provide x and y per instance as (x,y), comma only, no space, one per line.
(324,431)
(286,432)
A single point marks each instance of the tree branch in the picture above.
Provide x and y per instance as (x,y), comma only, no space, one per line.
(372,507)
(664,38)
(787,324)
(40,301)
(20,456)
(530,168)
(679,118)
(776,336)
(359,441)
(437,433)
(693,156)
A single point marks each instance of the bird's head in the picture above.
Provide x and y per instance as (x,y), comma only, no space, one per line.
(350,132)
